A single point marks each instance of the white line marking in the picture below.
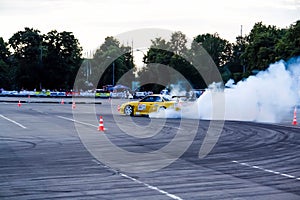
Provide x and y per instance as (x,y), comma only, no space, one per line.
(152,187)
(274,172)
(88,124)
(257,167)
(266,170)
(79,122)
(172,196)
(244,164)
(270,171)
(16,123)
(287,175)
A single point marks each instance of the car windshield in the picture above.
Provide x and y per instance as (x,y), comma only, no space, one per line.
(152,99)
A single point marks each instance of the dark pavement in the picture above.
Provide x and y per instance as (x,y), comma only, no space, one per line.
(43,157)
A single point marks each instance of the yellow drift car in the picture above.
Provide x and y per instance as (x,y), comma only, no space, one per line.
(151,103)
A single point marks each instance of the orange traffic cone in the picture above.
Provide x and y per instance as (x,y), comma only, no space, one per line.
(19,104)
(295,117)
(73,105)
(101,126)
(119,108)
(62,101)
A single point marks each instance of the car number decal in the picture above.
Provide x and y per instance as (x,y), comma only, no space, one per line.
(142,107)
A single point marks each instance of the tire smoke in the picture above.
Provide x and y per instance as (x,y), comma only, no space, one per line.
(266,97)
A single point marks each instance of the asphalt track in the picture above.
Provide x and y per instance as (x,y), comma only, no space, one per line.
(42,157)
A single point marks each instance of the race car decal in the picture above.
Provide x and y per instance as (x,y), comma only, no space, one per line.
(142,107)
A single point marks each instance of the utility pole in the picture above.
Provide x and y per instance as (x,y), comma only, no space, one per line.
(241,30)
(244,67)
(113,73)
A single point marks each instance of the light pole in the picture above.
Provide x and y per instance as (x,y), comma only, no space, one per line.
(142,53)
(113,71)
(144,59)
(88,69)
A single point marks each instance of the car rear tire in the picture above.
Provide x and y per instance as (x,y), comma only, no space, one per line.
(161,109)
(128,110)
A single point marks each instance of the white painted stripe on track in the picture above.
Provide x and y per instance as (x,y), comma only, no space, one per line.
(172,196)
(88,124)
(16,123)
(287,175)
(151,187)
(76,121)
(122,174)
(266,170)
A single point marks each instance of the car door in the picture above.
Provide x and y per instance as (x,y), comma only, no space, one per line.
(146,105)
(157,103)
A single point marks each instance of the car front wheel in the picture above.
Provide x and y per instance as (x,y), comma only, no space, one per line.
(128,110)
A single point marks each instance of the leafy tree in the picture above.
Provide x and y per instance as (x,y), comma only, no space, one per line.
(155,72)
(4,52)
(5,75)
(204,64)
(238,49)
(289,45)
(159,52)
(45,61)
(260,51)
(53,59)
(27,52)
(235,68)
(178,43)
(154,77)
(174,54)
(25,45)
(61,59)
(158,59)
(111,61)
(219,49)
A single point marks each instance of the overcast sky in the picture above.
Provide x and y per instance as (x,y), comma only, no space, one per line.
(92,20)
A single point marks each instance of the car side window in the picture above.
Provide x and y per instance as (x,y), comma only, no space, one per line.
(157,99)
(147,99)
(152,99)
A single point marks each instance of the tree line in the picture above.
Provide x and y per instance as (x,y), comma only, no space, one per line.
(31,60)
(249,54)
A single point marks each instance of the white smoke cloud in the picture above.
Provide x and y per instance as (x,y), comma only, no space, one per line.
(177,89)
(266,97)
